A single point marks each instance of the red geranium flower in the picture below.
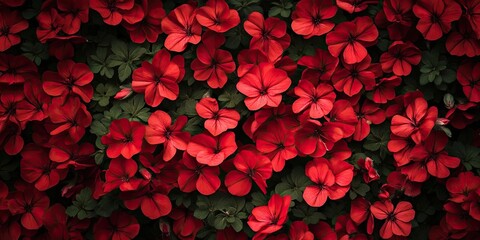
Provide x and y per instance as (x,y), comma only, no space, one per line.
(436,17)
(9,100)
(74,13)
(430,158)
(121,174)
(11,24)
(299,231)
(353,6)
(114,11)
(217,16)
(124,138)
(360,211)
(352,78)
(152,200)
(185,225)
(463,41)
(269,35)
(195,176)
(217,120)
(310,17)
(161,131)
(417,123)
(157,80)
(398,219)
(55,221)
(71,78)
(150,27)
(50,23)
(268,219)
(468,75)
(315,139)
(263,86)
(78,156)
(319,67)
(400,17)
(369,113)
(332,181)
(369,172)
(30,203)
(344,117)
(119,226)
(212,150)
(318,100)
(400,58)
(36,168)
(71,117)
(472,12)
(462,188)
(16,69)
(351,38)
(212,64)
(182,28)
(384,89)
(35,105)
(251,166)
(277,143)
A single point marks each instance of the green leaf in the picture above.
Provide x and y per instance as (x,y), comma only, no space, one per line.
(107,205)
(293,184)
(124,71)
(120,49)
(378,139)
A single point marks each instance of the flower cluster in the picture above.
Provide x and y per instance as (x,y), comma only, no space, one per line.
(207,119)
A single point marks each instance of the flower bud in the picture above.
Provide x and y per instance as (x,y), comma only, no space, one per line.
(449,101)
(124,92)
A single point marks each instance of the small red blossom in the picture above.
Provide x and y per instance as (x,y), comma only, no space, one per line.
(121,174)
(316,100)
(369,113)
(310,17)
(71,118)
(351,38)
(16,69)
(185,225)
(268,219)
(370,173)
(30,203)
(299,231)
(160,130)
(119,226)
(11,23)
(150,27)
(332,180)
(217,120)
(152,200)
(124,138)
(195,176)
(436,17)
(360,212)
(397,219)
(157,80)
(74,13)
(468,75)
(315,139)
(400,58)
(352,78)
(114,11)
(263,86)
(250,166)
(353,6)
(384,89)
(217,16)
(321,66)
(182,28)
(212,150)
(276,142)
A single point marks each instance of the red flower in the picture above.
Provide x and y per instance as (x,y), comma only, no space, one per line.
(157,80)
(36,168)
(323,231)
(212,64)
(462,188)
(400,182)
(71,117)
(398,219)
(417,123)
(71,78)
(114,11)
(182,28)
(352,6)
(268,219)
(299,231)
(463,41)
(277,143)
(152,200)
(360,211)
(384,90)
(50,23)
(472,10)
(369,173)
(431,157)
(263,86)
(74,13)
(332,180)
(269,35)
(217,120)
(212,150)
(35,105)
(16,69)
(150,27)
(400,17)
(351,38)
(468,75)
(185,225)
(30,203)
(217,16)
(436,17)
(194,176)
(161,131)
(78,156)
(310,17)
(352,78)
(251,166)
(317,100)
(344,117)
(11,24)
(121,174)
(320,66)
(368,114)
(55,221)
(400,58)
(315,139)
(124,138)
(119,226)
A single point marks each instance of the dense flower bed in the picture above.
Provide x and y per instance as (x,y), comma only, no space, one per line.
(239,119)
